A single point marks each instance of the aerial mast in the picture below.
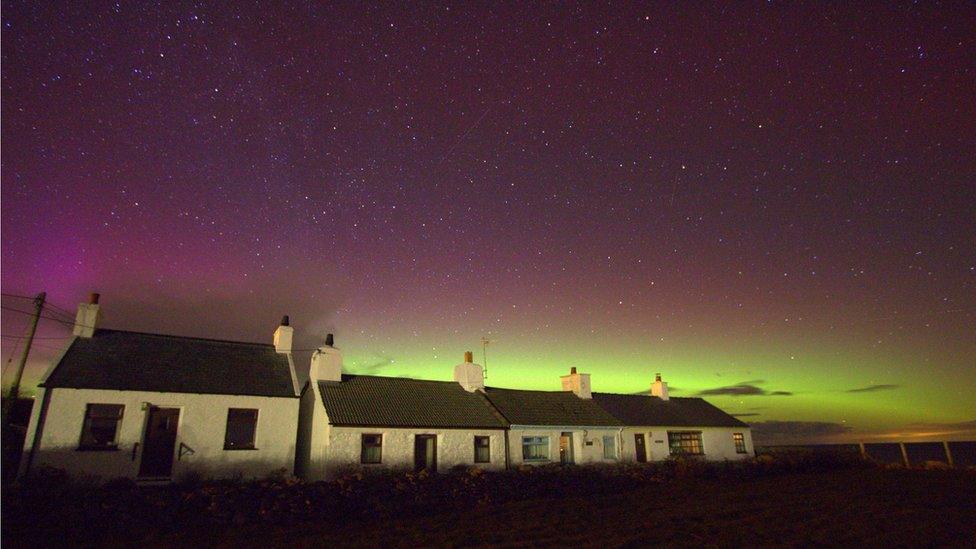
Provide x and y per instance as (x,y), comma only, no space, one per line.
(484,355)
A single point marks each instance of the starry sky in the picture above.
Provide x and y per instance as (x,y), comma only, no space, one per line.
(772,205)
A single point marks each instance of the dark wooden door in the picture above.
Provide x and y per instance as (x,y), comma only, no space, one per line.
(425,453)
(641,450)
(159,443)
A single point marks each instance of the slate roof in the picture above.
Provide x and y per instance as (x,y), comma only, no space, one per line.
(133,361)
(402,402)
(548,408)
(644,410)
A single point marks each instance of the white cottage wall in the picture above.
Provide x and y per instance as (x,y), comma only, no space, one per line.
(313,435)
(717,443)
(202,427)
(454,447)
(582,453)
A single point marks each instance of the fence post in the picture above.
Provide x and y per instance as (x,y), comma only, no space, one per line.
(864,451)
(904,453)
(945,444)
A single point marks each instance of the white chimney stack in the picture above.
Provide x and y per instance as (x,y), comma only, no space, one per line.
(326,363)
(577,383)
(470,375)
(86,321)
(283,336)
(659,388)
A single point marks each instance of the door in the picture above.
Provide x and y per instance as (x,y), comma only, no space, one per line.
(639,445)
(160,442)
(425,453)
(566,448)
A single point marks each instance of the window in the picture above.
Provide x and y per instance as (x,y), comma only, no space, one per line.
(740,443)
(372,451)
(482,449)
(101,427)
(685,443)
(535,448)
(241,426)
(610,447)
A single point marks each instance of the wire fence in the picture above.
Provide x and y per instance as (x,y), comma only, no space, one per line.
(949,453)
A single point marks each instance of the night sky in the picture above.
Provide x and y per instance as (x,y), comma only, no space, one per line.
(772,205)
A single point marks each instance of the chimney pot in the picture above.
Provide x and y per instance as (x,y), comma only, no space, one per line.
(469,375)
(572,370)
(284,321)
(659,388)
(329,340)
(93,298)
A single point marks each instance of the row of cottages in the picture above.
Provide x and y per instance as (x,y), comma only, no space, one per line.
(158,407)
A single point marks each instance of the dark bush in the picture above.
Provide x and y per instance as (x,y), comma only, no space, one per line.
(49,503)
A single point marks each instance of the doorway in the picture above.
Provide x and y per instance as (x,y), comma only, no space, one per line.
(641,450)
(425,453)
(566,448)
(159,443)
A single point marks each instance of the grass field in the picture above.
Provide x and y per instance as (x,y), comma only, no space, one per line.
(699,506)
(852,507)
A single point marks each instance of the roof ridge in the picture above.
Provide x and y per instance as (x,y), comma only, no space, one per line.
(528,390)
(403,378)
(174,336)
(646,395)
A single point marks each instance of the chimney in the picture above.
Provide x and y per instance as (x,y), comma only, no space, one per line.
(326,362)
(470,375)
(577,383)
(659,388)
(283,336)
(86,321)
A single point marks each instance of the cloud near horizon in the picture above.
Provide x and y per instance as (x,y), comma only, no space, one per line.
(746,388)
(784,432)
(873,388)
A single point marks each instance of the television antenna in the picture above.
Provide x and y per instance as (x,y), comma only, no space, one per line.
(484,355)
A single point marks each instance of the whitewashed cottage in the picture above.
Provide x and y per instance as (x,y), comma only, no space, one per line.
(658,427)
(371,423)
(557,426)
(157,407)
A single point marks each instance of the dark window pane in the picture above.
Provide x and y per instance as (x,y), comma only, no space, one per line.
(101,426)
(535,448)
(372,450)
(482,449)
(241,426)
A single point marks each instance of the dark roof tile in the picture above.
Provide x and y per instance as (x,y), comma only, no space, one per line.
(645,410)
(133,361)
(548,408)
(403,402)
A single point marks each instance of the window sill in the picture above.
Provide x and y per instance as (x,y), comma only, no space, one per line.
(97,449)
(235,448)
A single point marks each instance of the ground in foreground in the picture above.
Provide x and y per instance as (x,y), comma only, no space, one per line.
(749,505)
(845,507)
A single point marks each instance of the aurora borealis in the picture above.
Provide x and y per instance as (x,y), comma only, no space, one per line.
(772,205)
